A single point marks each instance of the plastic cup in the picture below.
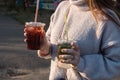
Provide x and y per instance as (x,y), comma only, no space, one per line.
(35,35)
(63,44)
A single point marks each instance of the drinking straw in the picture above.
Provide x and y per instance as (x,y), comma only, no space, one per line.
(66,23)
(70,1)
(66,26)
(36,13)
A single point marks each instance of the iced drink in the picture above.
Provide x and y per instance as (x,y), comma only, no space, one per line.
(35,35)
(63,44)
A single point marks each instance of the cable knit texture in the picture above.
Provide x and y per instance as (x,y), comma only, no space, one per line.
(99,43)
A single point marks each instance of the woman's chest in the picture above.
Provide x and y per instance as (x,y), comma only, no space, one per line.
(80,28)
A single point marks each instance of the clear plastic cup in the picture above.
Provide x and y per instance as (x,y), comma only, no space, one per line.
(63,44)
(35,35)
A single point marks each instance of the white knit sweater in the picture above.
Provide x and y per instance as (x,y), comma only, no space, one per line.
(99,43)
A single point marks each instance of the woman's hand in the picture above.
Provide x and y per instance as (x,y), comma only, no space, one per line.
(44,49)
(74,56)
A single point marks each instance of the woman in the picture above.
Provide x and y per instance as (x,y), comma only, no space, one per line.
(94,28)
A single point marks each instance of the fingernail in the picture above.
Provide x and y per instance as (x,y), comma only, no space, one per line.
(59,56)
(63,50)
(61,61)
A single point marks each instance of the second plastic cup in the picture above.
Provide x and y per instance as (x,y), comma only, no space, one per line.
(63,44)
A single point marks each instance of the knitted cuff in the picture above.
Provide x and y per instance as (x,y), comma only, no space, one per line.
(49,52)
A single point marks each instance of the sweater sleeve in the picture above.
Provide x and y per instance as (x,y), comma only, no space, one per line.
(48,34)
(106,64)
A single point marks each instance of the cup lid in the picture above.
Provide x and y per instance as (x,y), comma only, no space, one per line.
(35,23)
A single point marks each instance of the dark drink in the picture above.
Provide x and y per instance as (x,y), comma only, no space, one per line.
(35,35)
(63,45)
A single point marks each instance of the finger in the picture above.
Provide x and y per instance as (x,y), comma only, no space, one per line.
(25,34)
(75,46)
(66,57)
(64,50)
(25,29)
(67,61)
(69,51)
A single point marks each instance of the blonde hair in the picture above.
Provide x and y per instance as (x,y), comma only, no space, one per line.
(98,6)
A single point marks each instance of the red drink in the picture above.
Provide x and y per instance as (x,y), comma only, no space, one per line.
(35,35)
